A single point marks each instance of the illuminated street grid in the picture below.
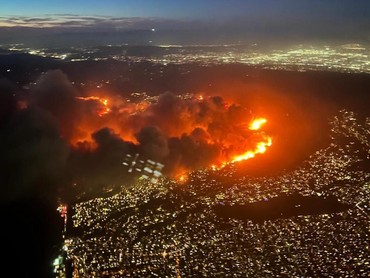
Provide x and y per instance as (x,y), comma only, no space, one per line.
(170,229)
(343,58)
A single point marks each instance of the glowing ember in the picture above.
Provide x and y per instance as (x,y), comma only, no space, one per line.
(182,178)
(257,123)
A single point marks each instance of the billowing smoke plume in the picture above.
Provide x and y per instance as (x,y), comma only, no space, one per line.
(55,94)
(153,143)
(103,165)
(33,155)
(85,138)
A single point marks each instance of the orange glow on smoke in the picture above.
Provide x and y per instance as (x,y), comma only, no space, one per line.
(101,111)
(103,101)
(257,123)
(237,137)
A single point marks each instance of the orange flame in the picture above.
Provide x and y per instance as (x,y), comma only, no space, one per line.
(182,178)
(104,102)
(260,148)
(257,123)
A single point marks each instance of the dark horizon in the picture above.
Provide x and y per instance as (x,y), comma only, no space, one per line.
(188,22)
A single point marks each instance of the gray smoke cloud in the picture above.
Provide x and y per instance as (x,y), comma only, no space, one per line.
(55,94)
(33,155)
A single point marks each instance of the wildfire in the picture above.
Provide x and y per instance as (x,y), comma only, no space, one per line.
(261,146)
(209,126)
(103,101)
(182,178)
(257,123)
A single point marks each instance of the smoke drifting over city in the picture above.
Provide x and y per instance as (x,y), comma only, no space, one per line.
(53,131)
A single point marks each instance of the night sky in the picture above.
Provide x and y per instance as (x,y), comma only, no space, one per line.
(214,11)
